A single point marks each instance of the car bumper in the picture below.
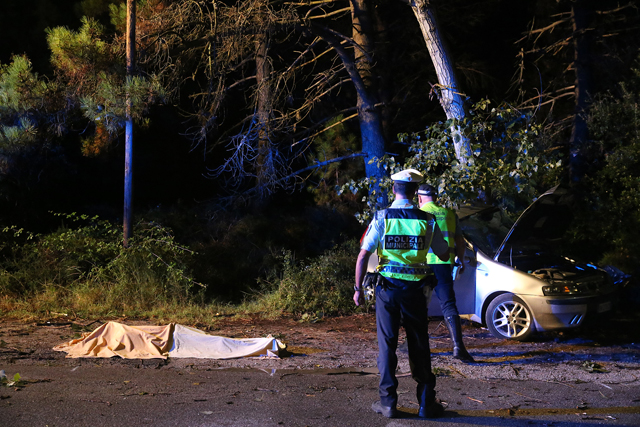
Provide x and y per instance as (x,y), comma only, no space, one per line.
(568,312)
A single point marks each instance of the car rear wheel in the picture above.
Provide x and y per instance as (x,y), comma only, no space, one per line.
(509,317)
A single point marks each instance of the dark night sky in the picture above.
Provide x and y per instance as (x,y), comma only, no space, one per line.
(23,24)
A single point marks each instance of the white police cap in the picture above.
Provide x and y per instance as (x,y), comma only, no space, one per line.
(408,175)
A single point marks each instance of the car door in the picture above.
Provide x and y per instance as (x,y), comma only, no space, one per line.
(464,286)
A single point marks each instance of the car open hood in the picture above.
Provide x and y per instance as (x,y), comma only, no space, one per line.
(544,221)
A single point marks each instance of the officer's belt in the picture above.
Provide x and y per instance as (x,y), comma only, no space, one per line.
(398,268)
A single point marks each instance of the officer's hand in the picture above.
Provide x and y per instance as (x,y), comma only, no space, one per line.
(358,297)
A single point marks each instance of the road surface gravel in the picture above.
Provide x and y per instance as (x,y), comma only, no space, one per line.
(327,377)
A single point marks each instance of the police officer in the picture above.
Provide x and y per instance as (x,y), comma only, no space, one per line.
(402,236)
(448,222)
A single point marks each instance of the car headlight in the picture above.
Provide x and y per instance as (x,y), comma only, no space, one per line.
(556,289)
(562,282)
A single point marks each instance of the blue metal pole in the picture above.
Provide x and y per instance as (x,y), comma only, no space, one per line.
(128,160)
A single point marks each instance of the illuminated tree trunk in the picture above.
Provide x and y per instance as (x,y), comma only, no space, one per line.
(384,76)
(128,187)
(368,114)
(362,34)
(449,95)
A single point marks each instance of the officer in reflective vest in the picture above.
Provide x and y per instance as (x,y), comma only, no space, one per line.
(448,222)
(402,236)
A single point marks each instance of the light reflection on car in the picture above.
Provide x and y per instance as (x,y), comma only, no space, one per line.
(514,283)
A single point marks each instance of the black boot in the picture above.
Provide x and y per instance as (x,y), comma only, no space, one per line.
(455,330)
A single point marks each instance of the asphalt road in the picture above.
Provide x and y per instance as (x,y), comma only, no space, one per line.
(590,376)
(157,394)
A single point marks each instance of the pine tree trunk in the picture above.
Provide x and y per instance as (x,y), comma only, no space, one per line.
(368,115)
(450,97)
(384,76)
(264,166)
(581,12)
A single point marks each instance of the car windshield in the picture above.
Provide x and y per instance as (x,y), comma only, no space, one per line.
(486,229)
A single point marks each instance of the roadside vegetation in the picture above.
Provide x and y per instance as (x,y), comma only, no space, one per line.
(82,270)
(301,264)
(610,209)
(292,135)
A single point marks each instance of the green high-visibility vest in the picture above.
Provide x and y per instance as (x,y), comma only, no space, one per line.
(446,220)
(405,244)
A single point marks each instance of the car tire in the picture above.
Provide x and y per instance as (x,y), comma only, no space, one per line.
(509,317)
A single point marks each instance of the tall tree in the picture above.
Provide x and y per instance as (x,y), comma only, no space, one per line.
(576,47)
(25,102)
(84,101)
(360,71)
(264,164)
(447,90)
(582,12)
(218,44)
(227,51)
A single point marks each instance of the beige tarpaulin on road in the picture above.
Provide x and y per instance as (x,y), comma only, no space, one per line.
(149,342)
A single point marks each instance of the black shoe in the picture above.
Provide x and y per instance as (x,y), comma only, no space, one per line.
(463,355)
(432,410)
(387,411)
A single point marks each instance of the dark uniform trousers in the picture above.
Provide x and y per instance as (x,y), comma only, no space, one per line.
(444,289)
(392,304)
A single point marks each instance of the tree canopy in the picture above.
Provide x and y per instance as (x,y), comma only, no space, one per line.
(257,88)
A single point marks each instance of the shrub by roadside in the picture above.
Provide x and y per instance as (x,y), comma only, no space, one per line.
(314,288)
(83,268)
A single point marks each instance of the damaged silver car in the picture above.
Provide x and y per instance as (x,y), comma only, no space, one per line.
(515,282)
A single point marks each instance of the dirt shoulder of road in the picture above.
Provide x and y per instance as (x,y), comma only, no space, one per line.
(349,343)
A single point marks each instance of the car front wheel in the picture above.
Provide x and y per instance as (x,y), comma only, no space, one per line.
(509,317)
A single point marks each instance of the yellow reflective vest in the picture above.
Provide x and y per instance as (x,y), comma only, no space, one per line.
(405,245)
(446,220)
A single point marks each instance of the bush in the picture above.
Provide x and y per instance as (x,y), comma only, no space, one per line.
(319,287)
(611,210)
(86,269)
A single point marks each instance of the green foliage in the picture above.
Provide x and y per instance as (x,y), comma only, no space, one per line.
(612,203)
(80,55)
(235,248)
(22,93)
(20,88)
(107,104)
(28,124)
(86,268)
(82,269)
(508,166)
(94,69)
(89,85)
(312,289)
